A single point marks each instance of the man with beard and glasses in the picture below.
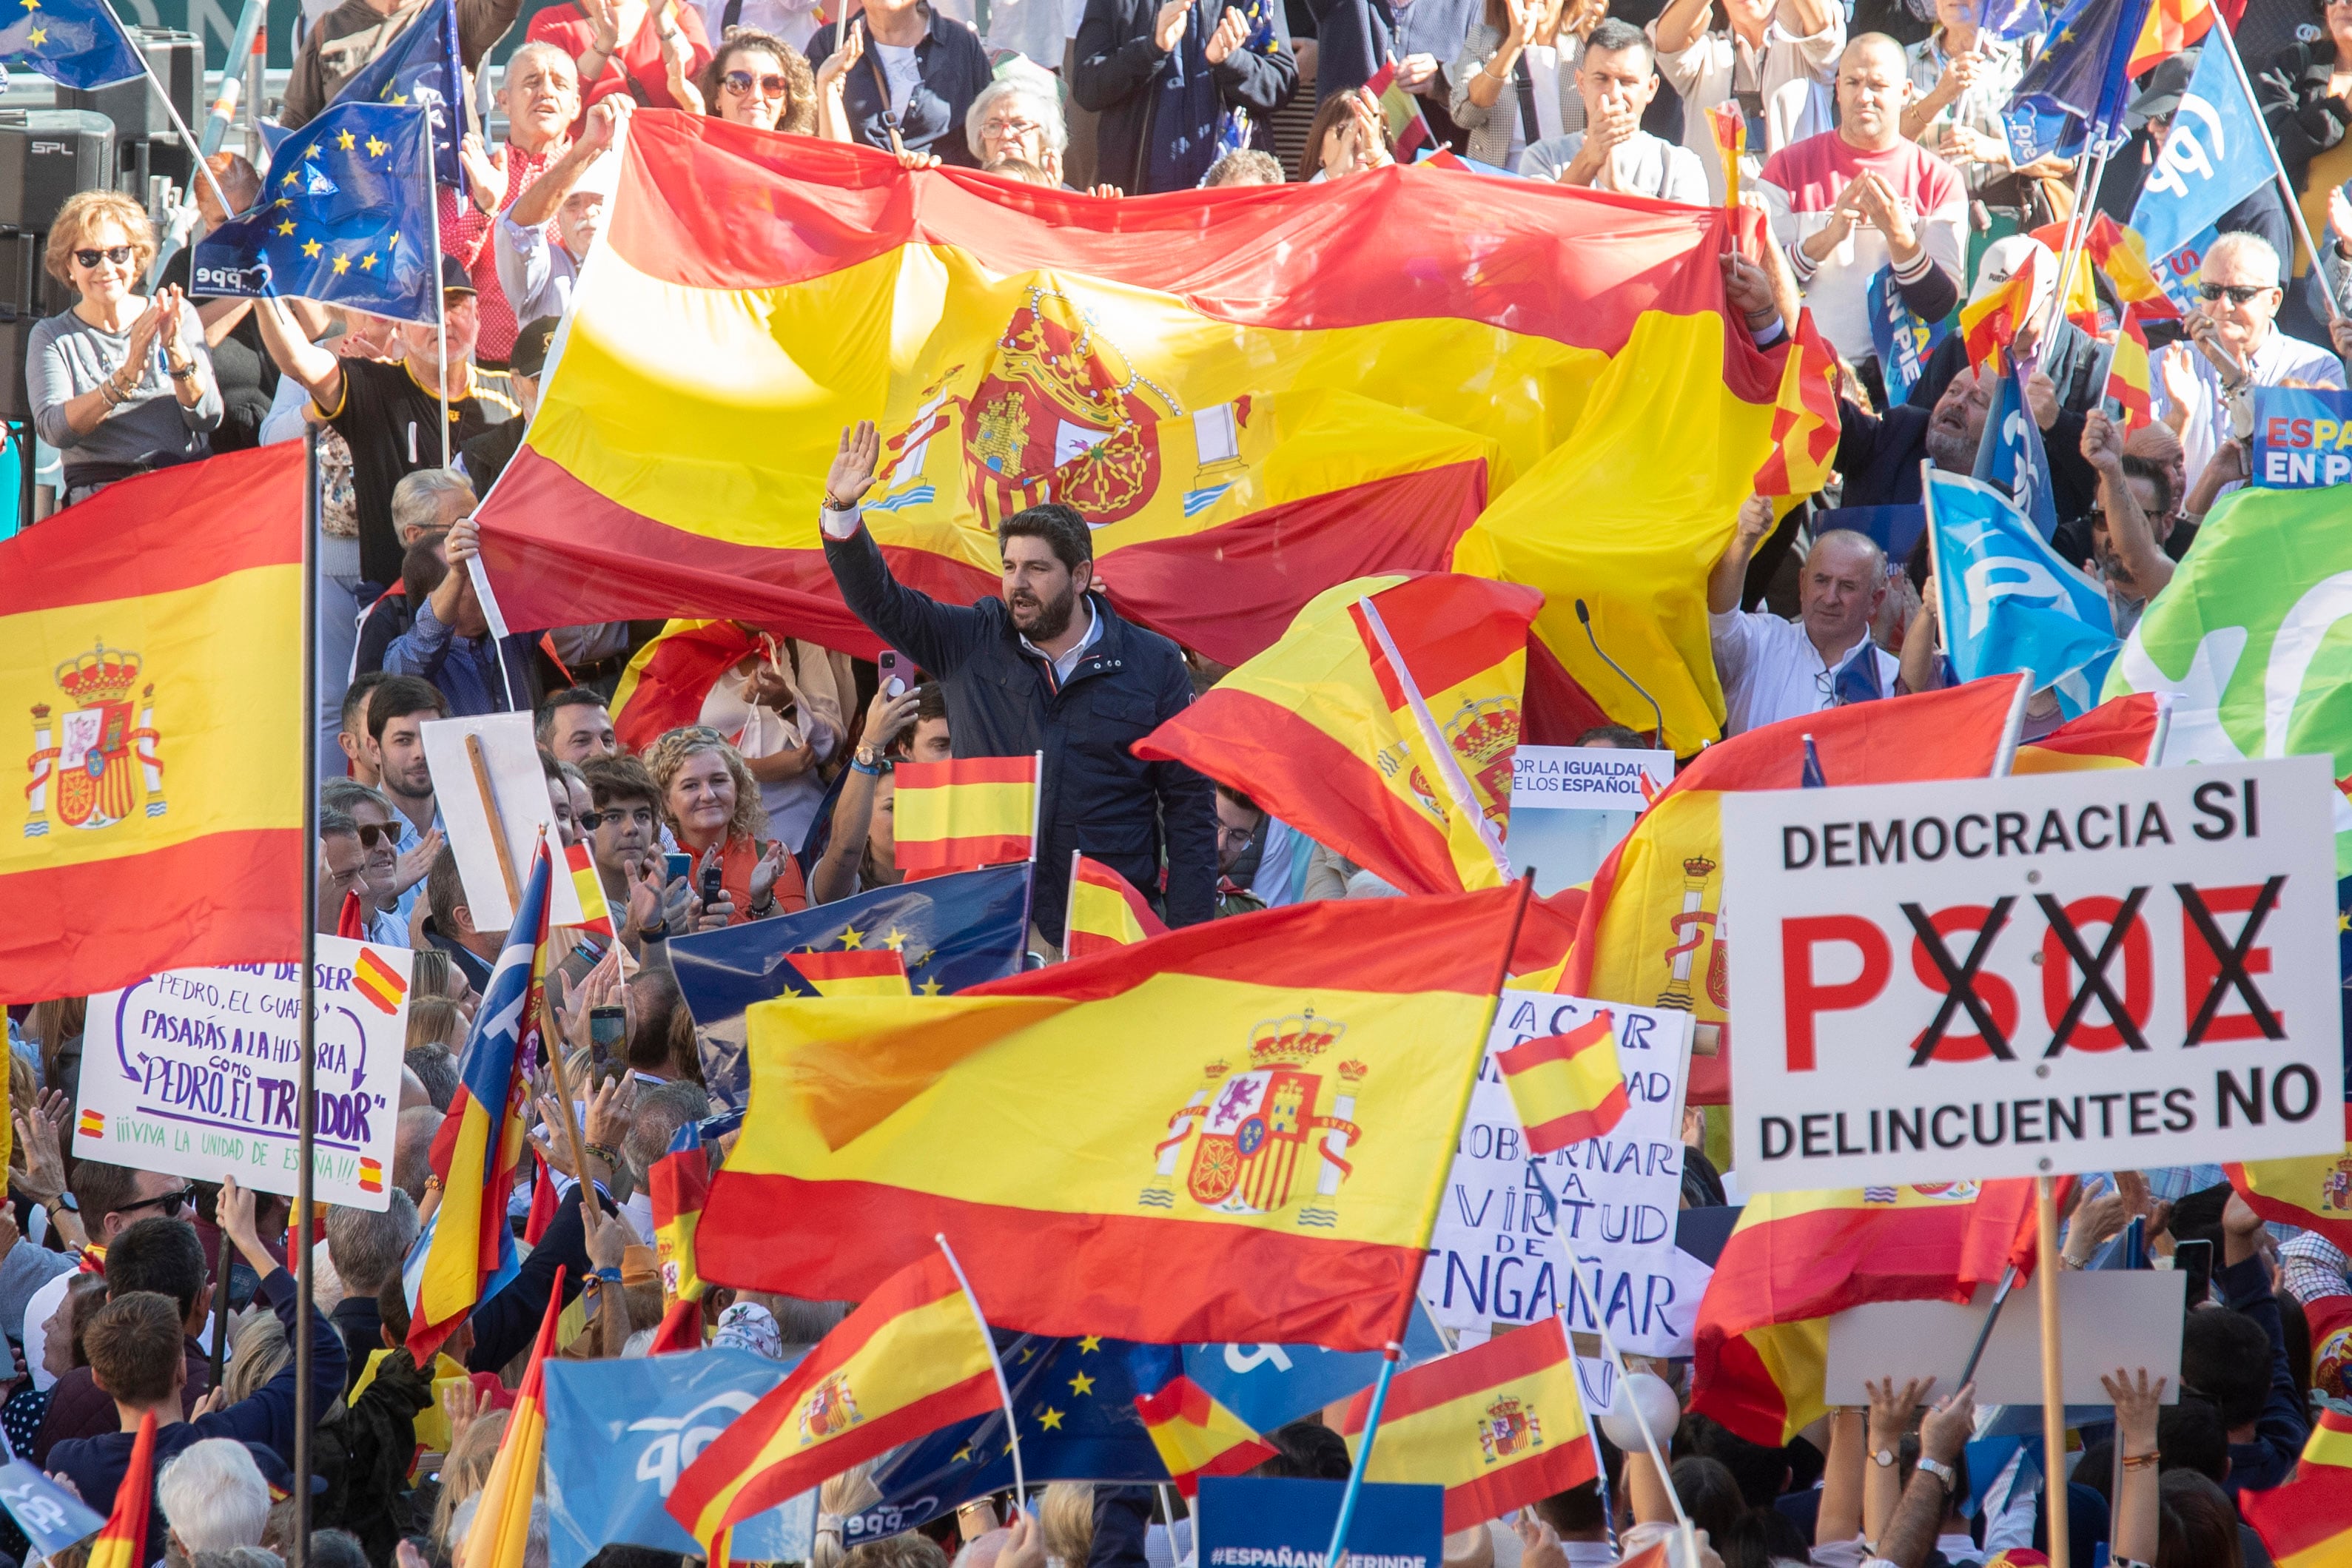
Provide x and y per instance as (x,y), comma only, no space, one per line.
(1047,667)
(1879,453)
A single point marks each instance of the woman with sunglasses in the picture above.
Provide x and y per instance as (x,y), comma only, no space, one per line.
(754,78)
(121,384)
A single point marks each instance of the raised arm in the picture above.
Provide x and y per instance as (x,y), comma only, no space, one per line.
(1730,574)
(536,205)
(2128,526)
(937,636)
(319,372)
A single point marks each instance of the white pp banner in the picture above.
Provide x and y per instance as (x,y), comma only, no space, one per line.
(1590,1228)
(2053,973)
(193,1073)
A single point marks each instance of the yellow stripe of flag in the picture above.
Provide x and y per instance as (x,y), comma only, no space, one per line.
(1566,1087)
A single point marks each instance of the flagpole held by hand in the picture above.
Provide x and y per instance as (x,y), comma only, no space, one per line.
(440,300)
(1390,1354)
(1004,1388)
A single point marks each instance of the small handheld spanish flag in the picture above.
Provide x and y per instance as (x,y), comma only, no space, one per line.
(1409,130)
(1989,325)
(1500,1426)
(680,1185)
(2308,1194)
(1567,1087)
(973,811)
(123,1543)
(1195,1435)
(502,1519)
(595,914)
(2307,1522)
(1105,911)
(1730,128)
(2129,381)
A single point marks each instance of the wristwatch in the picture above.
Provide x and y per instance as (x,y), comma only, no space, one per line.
(1942,1473)
(1884,1459)
(68,1202)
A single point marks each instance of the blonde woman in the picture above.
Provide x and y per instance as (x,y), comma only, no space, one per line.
(711,803)
(121,382)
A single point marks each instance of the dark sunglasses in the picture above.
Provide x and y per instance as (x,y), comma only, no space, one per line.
(115,254)
(369,833)
(740,82)
(169,1203)
(2237,293)
(592,821)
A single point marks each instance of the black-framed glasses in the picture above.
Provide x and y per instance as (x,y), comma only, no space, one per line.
(740,82)
(171,1203)
(590,821)
(118,255)
(2236,293)
(373,833)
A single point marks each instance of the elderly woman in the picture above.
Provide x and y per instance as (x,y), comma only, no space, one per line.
(754,78)
(712,804)
(1016,117)
(121,384)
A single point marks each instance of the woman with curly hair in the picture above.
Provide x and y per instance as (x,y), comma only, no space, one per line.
(711,803)
(754,78)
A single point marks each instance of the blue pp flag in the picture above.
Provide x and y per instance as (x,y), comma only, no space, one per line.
(2079,73)
(2215,156)
(52,1517)
(423,68)
(2010,454)
(347,217)
(1268,1385)
(954,931)
(1902,341)
(74,43)
(2010,602)
(618,1433)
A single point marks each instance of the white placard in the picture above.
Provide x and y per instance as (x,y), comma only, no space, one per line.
(193,1073)
(2107,1319)
(1863,1059)
(1587,778)
(1498,1255)
(511,750)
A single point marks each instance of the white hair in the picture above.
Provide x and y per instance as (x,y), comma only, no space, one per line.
(416,499)
(537,47)
(1039,100)
(213,1496)
(2251,247)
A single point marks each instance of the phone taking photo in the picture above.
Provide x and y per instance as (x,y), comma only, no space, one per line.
(608,1029)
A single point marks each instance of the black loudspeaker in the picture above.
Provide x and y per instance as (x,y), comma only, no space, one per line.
(145,141)
(45,155)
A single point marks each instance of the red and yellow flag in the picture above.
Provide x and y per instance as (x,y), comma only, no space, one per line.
(970,812)
(2128,380)
(665,684)
(1797,1258)
(1730,128)
(1648,929)
(1566,1087)
(2313,1194)
(1217,385)
(2171,26)
(1409,130)
(580,865)
(2118,733)
(1499,1426)
(1805,420)
(151,645)
(122,1543)
(2122,254)
(1990,324)
(2307,1522)
(680,1186)
(854,972)
(502,1518)
(1319,731)
(1266,1110)
(914,1357)
(1196,1436)
(1105,911)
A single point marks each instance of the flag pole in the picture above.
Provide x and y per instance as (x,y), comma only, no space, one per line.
(2054,1402)
(1390,1353)
(1649,1440)
(306,1101)
(2004,756)
(440,297)
(2164,701)
(996,1363)
(224,110)
(2278,171)
(1448,766)
(1070,904)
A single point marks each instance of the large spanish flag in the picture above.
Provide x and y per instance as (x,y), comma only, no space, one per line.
(963,814)
(1797,1258)
(1238,1130)
(151,645)
(914,1357)
(1499,1426)
(2307,1522)
(1247,399)
(1317,729)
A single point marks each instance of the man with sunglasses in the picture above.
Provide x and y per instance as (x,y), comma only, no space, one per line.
(2205,385)
(377,826)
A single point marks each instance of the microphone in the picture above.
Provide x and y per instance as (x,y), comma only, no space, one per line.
(1584,619)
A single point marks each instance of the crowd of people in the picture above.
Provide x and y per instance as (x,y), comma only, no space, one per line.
(1877,151)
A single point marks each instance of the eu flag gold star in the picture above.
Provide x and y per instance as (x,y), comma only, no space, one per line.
(852,939)
(1049,1419)
(962,1454)
(346,141)
(38,35)
(287,227)
(367,263)
(1028,1352)
(896,941)
(283,201)
(2342,921)
(312,248)
(393,243)
(376,148)
(30,5)
(400,98)
(930,987)
(1091,1342)
(342,264)
(292,178)
(1082,1384)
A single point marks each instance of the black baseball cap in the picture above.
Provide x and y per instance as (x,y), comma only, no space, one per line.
(2167,86)
(455,278)
(530,346)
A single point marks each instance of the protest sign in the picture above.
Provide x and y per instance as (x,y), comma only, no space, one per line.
(511,774)
(52,1517)
(1589,1228)
(2302,437)
(193,1073)
(618,1434)
(2110,1318)
(2028,975)
(1286,1522)
(1571,804)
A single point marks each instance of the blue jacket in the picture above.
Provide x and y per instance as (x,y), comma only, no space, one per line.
(1121,76)
(2280,1430)
(1003,701)
(953,65)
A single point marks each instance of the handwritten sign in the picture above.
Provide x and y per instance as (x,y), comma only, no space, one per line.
(1589,1230)
(193,1072)
(2302,438)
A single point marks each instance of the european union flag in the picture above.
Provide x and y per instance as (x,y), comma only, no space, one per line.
(954,932)
(422,68)
(346,217)
(74,43)
(2080,71)
(2009,601)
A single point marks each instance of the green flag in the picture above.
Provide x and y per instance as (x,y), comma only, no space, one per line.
(2253,638)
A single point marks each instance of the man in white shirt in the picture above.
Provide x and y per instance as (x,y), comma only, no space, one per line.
(1773,669)
(1775,61)
(1617,76)
(2239,286)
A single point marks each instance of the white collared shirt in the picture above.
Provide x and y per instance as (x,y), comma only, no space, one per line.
(1771,671)
(1069,660)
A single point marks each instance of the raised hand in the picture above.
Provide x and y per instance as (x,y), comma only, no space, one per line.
(411,867)
(770,866)
(1231,33)
(853,470)
(1168,26)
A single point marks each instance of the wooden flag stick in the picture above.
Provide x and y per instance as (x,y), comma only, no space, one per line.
(497,823)
(2054,1398)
